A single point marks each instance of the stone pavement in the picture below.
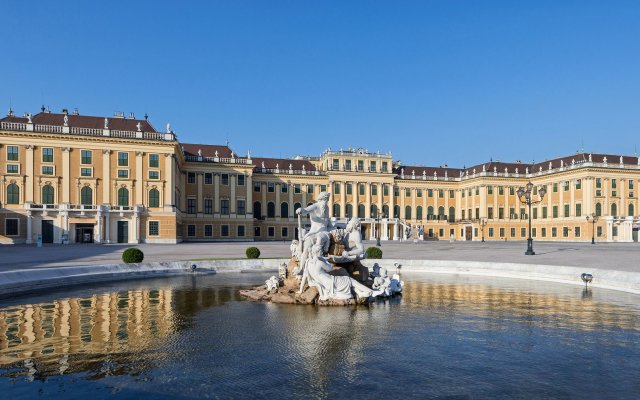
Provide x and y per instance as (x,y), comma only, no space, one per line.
(613,256)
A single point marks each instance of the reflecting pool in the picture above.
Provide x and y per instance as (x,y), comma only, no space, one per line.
(451,337)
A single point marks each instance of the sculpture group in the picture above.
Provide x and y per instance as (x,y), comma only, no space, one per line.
(325,265)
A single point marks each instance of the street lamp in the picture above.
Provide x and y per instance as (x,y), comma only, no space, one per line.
(594,219)
(525,196)
(379,229)
(483,223)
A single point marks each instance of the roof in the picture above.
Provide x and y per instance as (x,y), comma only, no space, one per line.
(283,163)
(207,150)
(428,171)
(86,121)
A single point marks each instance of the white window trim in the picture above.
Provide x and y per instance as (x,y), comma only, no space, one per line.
(91,151)
(13,173)
(7,153)
(149,228)
(149,175)
(205,230)
(149,160)
(52,155)
(118,159)
(85,176)
(228,231)
(47,166)
(123,169)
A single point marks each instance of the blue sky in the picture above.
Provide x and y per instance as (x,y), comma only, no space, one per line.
(435,82)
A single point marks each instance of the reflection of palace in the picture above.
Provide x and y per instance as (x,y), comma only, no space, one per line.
(73,178)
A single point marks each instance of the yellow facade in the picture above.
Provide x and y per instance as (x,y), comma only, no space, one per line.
(66,183)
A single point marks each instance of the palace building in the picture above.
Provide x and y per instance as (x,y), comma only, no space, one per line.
(70,178)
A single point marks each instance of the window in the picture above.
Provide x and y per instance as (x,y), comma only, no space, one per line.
(500,212)
(240,230)
(271,187)
(123,197)
(47,155)
(123,159)
(323,188)
(384,166)
(360,165)
(154,198)
(86,196)
(533,232)
(284,209)
(336,164)
(599,231)
(86,157)
(271,231)
(490,232)
(310,189)
(208,206)
(565,232)
(241,180)
(513,232)
(544,211)
(256,231)
(631,211)
(123,173)
(13,194)
(154,228)
(535,213)
(477,213)
(154,161)
(336,188)
(349,211)
(271,210)
(407,192)
(12,153)
(240,207)
(225,179)
(578,184)
(631,185)
(208,178)
(565,186)
(284,232)
(500,190)
(614,183)
(361,189)
(441,194)
(578,210)
(224,206)
(523,232)
(512,191)
(257,186)
(614,210)
(191,230)
(598,210)
(566,210)
(208,230)
(501,232)
(11,227)
(543,232)
(490,212)
(47,194)
(374,190)
(297,189)
(555,187)
(418,192)
(154,175)
(372,166)
(224,230)
(407,212)
(576,231)
(555,211)
(451,194)
(191,177)
(86,171)
(12,168)
(347,165)
(385,190)
(598,183)
(554,232)
(489,189)
(349,188)
(47,170)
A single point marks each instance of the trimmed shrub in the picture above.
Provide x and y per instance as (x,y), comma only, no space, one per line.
(374,253)
(252,252)
(132,255)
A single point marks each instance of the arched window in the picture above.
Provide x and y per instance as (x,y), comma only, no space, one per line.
(336,210)
(441,212)
(154,198)
(349,213)
(284,209)
(271,210)
(631,211)
(385,211)
(396,211)
(452,214)
(123,197)
(419,212)
(257,210)
(407,212)
(598,210)
(360,210)
(374,211)
(296,206)
(430,212)
(13,194)
(614,210)
(47,194)
(86,196)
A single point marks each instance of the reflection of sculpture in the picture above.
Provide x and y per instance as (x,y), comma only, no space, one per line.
(351,239)
(333,287)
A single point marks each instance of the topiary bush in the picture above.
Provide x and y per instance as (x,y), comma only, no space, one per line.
(374,253)
(132,255)
(252,252)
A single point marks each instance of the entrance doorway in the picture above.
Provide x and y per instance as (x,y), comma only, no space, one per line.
(84,233)
(634,234)
(47,231)
(468,233)
(123,231)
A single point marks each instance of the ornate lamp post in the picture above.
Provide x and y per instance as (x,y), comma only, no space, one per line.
(379,228)
(525,195)
(594,219)
(483,223)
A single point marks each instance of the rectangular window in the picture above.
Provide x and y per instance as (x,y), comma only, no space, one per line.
(224,230)
(240,207)
(501,213)
(513,232)
(512,191)
(12,168)
(154,161)
(374,190)
(418,192)
(578,210)
(208,230)
(535,213)
(555,211)
(191,230)
(523,232)
(240,230)
(336,188)
(544,212)
(372,166)
(451,194)
(256,231)
(599,231)
(225,179)
(566,210)
(349,188)
(208,178)
(154,175)
(271,231)
(360,165)
(347,165)
(477,213)
(208,206)
(500,190)
(123,173)
(12,153)
(554,232)
(407,192)
(501,232)
(533,232)
(512,213)
(555,187)
(489,189)
(154,228)
(336,164)
(631,184)
(47,170)
(577,231)
(565,186)
(11,227)
(284,232)
(543,232)
(565,232)
(86,171)
(284,188)
(614,183)
(441,232)
(257,186)
(361,189)
(191,206)
(385,190)
(384,166)
(396,191)
(490,212)
(490,232)
(224,206)
(578,184)
(241,180)
(441,194)
(323,188)
(297,189)
(47,155)
(191,177)
(86,157)
(598,183)
(271,187)
(477,191)
(123,159)
(310,189)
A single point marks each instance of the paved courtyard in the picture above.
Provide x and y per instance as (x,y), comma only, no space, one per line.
(616,256)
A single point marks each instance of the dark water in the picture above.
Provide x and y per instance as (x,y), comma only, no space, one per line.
(447,337)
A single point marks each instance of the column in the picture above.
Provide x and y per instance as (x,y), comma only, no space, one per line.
(561,205)
(107,227)
(402,205)
(169,186)
(572,198)
(304,198)
(106,175)
(98,236)
(200,198)
(66,175)
(139,179)
(278,189)
(233,181)
(28,193)
(343,199)
(391,201)
(263,191)
(29,228)
(135,238)
(291,210)
(413,203)
(587,196)
(356,198)
(483,201)
(380,202)
(249,197)
(332,199)
(367,200)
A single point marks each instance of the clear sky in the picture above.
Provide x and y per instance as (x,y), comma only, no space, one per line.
(435,82)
